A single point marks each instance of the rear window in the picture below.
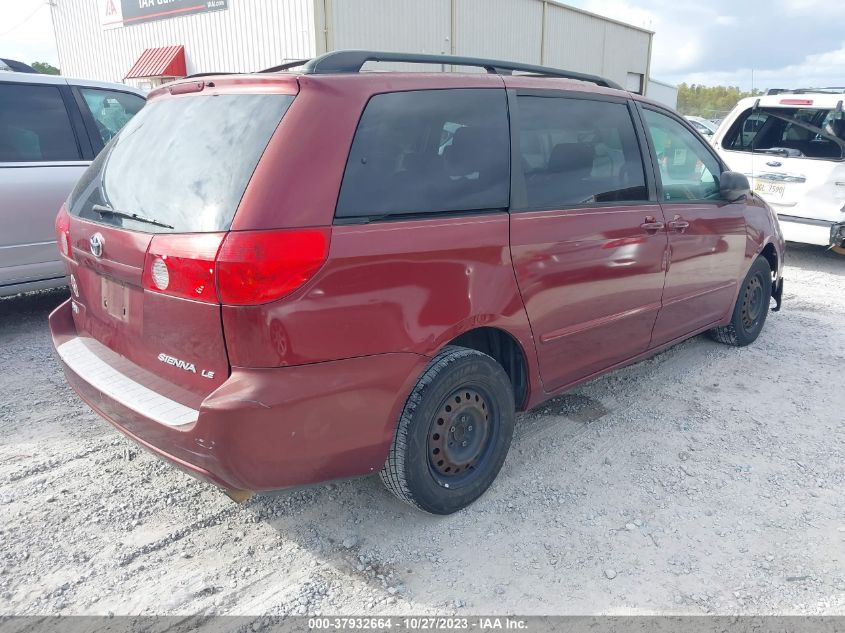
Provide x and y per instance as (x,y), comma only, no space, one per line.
(183,162)
(790,132)
(111,109)
(429,151)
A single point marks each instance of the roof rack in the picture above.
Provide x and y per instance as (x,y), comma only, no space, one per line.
(352,62)
(285,66)
(214,74)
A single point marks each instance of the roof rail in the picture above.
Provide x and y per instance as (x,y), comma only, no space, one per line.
(214,74)
(352,61)
(285,66)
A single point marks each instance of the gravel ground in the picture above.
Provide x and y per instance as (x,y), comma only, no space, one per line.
(705,480)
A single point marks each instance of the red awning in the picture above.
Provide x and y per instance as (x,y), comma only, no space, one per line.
(159,62)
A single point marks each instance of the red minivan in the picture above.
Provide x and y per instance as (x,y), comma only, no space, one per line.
(287,277)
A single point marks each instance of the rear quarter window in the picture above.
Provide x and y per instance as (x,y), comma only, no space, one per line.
(110,109)
(428,151)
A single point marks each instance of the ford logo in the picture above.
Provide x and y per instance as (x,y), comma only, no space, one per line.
(97,242)
(774,163)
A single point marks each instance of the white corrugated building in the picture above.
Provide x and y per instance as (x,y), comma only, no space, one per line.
(667,94)
(146,42)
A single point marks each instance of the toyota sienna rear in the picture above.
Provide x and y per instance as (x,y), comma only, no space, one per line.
(286,278)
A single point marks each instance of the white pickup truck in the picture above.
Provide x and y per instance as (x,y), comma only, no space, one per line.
(791,145)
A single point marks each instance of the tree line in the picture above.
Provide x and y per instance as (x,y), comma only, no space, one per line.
(710,102)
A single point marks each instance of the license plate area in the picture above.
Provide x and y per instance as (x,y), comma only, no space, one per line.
(114,299)
(770,189)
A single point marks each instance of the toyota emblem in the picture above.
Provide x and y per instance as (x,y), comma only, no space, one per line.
(97,242)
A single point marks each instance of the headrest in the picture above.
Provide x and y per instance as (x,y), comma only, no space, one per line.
(837,128)
(462,155)
(572,158)
(798,133)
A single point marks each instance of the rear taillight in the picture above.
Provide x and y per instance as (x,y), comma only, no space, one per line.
(63,232)
(183,265)
(260,266)
(239,268)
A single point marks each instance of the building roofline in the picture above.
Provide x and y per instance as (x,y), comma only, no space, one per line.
(662,83)
(598,16)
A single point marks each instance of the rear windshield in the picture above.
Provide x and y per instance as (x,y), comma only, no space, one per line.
(789,132)
(182,162)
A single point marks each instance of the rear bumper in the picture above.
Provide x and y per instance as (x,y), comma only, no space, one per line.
(812,231)
(265,429)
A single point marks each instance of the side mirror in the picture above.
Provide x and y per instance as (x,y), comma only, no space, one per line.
(733,186)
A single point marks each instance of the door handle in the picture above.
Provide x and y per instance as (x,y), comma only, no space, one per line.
(651,225)
(677,224)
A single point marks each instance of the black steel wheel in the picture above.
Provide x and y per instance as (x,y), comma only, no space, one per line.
(751,309)
(753,302)
(453,434)
(461,436)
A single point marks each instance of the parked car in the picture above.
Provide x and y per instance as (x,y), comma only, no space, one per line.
(311,284)
(791,144)
(12,65)
(50,130)
(704,127)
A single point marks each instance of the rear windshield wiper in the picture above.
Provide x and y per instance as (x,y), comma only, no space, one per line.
(104,211)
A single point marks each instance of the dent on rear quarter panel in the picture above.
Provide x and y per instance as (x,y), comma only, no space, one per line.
(406,286)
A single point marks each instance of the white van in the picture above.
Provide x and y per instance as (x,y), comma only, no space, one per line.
(791,145)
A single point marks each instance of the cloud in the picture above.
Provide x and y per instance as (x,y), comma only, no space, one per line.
(679,42)
(811,8)
(788,43)
(814,71)
(27,32)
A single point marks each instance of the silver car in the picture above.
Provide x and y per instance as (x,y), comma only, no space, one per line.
(51,128)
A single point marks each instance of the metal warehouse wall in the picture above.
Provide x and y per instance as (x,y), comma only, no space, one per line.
(666,94)
(249,35)
(254,34)
(579,41)
(531,31)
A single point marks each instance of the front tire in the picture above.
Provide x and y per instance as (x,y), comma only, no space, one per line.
(752,307)
(453,434)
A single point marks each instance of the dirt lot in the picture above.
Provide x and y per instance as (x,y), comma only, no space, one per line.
(705,480)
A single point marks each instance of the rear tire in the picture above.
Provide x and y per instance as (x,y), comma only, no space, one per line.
(453,434)
(752,307)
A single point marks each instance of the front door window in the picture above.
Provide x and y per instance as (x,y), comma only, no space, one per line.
(688,171)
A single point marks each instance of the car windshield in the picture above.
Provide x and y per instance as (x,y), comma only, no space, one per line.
(183,162)
(791,132)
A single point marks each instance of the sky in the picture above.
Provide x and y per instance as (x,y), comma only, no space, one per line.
(780,43)
(26,31)
(784,43)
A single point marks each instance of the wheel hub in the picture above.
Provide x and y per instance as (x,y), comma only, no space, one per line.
(753,302)
(459,434)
